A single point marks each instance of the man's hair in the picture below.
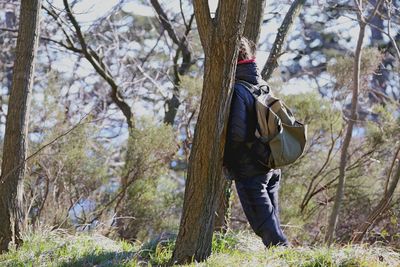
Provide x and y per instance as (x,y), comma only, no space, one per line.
(247,49)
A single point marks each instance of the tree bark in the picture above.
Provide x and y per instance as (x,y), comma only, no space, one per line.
(254,17)
(252,28)
(222,214)
(8,55)
(219,37)
(15,139)
(347,139)
(276,51)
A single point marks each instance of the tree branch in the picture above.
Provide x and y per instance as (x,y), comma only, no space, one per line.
(277,47)
(165,22)
(204,22)
(379,209)
(100,68)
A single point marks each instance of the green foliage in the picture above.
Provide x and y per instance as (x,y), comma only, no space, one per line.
(318,113)
(70,168)
(149,209)
(386,129)
(342,67)
(192,87)
(151,193)
(158,251)
(149,147)
(313,176)
(224,242)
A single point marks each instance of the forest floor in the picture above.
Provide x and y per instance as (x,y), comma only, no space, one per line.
(59,248)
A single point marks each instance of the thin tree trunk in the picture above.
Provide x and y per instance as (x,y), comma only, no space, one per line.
(347,139)
(8,56)
(15,139)
(380,208)
(219,38)
(222,215)
(276,51)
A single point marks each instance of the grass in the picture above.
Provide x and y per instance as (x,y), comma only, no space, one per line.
(58,248)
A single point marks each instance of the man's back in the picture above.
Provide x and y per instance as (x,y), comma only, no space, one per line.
(243,150)
(257,186)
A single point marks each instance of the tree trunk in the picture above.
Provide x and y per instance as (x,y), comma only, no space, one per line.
(15,139)
(219,38)
(347,139)
(8,55)
(222,214)
(276,51)
(252,28)
(254,17)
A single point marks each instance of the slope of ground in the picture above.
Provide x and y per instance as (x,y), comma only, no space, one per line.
(58,248)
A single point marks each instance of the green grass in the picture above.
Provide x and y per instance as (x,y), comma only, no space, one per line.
(58,248)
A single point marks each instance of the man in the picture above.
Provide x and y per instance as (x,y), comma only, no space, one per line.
(256,184)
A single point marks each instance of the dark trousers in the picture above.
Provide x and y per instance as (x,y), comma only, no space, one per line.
(259,198)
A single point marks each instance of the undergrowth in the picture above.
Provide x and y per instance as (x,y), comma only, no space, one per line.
(59,248)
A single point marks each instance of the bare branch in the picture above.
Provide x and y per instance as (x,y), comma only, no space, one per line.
(380,208)
(389,30)
(395,158)
(347,139)
(100,68)
(165,22)
(376,8)
(277,47)
(182,13)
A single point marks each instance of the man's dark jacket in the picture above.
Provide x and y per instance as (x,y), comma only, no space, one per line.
(242,150)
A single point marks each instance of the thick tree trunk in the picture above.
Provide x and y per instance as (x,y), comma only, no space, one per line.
(15,139)
(219,37)
(254,17)
(252,28)
(347,139)
(276,51)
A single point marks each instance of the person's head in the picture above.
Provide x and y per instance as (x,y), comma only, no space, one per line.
(247,49)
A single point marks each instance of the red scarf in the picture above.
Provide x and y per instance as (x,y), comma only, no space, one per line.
(245,61)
